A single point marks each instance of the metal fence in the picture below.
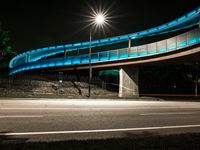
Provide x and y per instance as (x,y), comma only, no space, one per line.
(55,86)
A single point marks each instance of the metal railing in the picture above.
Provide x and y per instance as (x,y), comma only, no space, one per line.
(188,20)
(53,85)
(175,43)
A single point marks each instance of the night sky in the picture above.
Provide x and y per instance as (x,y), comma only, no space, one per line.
(41,23)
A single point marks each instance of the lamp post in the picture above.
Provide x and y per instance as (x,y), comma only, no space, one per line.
(90,68)
(98,20)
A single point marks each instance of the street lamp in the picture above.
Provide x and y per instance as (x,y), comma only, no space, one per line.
(98,20)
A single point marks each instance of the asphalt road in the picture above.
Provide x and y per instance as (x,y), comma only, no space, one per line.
(52,120)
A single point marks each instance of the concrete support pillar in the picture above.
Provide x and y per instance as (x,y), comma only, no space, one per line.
(128,82)
(129,47)
(129,43)
(27,58)
(199,19)
(65,52)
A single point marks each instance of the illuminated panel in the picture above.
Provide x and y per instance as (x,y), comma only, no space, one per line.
(103,56)
(113,54)
(123,53)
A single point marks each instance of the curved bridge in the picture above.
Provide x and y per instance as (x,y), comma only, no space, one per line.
(31,59)
(177,46)
(132,55)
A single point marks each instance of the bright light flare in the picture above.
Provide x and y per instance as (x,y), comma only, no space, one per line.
(100,19)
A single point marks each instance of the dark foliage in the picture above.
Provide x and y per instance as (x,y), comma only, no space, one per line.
(6,50)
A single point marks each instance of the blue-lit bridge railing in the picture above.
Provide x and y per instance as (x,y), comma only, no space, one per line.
(164,46)
(188,20)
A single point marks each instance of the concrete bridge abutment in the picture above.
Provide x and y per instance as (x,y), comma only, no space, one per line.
(128,82)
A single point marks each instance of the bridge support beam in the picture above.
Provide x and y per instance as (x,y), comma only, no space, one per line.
(128,82)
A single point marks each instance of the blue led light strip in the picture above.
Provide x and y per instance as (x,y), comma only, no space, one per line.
(188,20)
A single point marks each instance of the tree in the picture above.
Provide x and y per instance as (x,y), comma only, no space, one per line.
(194,74)
(6,49)
(173,78)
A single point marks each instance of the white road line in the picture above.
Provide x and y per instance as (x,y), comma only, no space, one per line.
(21,116)
(72,108)
(168,113)
(87,108)
(98,131)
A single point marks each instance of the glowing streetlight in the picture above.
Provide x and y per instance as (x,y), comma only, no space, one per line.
(98,20)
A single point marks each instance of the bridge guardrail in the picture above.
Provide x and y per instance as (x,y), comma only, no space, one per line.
(178,42)
(188,20)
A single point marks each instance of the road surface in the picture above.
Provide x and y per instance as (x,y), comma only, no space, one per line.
(55,120)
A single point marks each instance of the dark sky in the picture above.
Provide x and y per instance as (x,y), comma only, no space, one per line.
(40,23)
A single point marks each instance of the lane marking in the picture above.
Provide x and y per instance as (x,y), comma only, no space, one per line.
(21,116)
(168,113)
(98,131)
(71,109)
(92,108)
